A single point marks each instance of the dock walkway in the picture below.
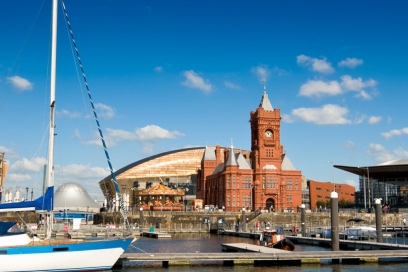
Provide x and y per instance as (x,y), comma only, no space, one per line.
(262,256)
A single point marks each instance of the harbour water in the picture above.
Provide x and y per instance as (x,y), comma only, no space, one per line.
(196,242)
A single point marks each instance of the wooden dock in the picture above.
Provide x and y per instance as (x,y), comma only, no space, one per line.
(248,254)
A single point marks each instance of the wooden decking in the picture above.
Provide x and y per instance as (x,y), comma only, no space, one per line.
(248,254)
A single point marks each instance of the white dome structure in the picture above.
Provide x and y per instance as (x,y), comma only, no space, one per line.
(74,197)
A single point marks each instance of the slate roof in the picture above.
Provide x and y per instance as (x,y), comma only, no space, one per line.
(265,103)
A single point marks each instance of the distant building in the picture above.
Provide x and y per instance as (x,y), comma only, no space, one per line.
(176,169)
(266,179)
(73,201)
(321,192)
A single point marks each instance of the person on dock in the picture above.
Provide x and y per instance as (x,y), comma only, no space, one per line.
(404,222)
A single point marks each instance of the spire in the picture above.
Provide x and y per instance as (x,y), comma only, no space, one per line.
(232,160)
(265,103)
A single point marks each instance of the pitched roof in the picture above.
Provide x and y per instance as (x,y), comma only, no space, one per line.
(209,153)
(287,164)
(231,160)
(265,103)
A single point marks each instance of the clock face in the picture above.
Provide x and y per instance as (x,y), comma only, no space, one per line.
(268,133)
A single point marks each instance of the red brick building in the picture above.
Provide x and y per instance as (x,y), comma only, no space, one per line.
(321,191)
(264,180)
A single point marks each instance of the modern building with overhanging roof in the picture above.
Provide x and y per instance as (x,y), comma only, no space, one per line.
(388,181)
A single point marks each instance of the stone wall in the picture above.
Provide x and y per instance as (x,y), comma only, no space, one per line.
(169,219)
(287,220)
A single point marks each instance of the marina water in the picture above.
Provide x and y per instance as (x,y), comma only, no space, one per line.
(204,242)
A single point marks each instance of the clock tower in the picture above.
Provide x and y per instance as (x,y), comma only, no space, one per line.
(266,149)
(275,182)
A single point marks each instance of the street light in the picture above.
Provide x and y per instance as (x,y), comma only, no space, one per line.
(251,195)
(333,175)
(368,184)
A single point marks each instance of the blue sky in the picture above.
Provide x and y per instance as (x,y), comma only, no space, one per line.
(167,75)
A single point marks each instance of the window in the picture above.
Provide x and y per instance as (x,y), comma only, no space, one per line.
(288,198)
(271,182)
(246,200)
(288,183)
(246,182)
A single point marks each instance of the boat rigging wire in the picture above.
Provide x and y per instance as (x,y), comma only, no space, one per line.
(123,210)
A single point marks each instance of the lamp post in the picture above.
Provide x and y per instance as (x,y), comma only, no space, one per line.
(369,188)
(251,186)
(26,194)
(364,190)
(334,189)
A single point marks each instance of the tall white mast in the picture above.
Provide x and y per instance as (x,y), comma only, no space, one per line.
(50,169)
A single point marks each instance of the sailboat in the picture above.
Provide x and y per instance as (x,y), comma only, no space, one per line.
(20,252)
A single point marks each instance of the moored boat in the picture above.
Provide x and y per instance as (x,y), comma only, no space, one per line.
(361,233)
(21,252)
(271,238)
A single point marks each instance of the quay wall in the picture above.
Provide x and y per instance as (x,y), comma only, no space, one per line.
(168,219)
(229,220)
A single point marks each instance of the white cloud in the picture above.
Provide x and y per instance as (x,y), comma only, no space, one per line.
(349,145)
(360,118)
(287,118)
(153,133)
(194,81)
(8,153)
(350,62)
(23,169)
(68,114)
(20,83)
(401,153)
(146,136)
(104,111)
(395,132)
(34,165)
(158,69)
(231,85)
(374,120)
(262,72)
(82,172)
(327,115)
(316,65)
(319,88)
(379,154)
(357,84)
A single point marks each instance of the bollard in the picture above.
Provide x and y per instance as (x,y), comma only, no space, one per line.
(141,219)
(303,219)
(334,198)
(243,221)
(378,219)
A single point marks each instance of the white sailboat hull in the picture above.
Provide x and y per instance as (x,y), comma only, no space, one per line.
(82,256)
